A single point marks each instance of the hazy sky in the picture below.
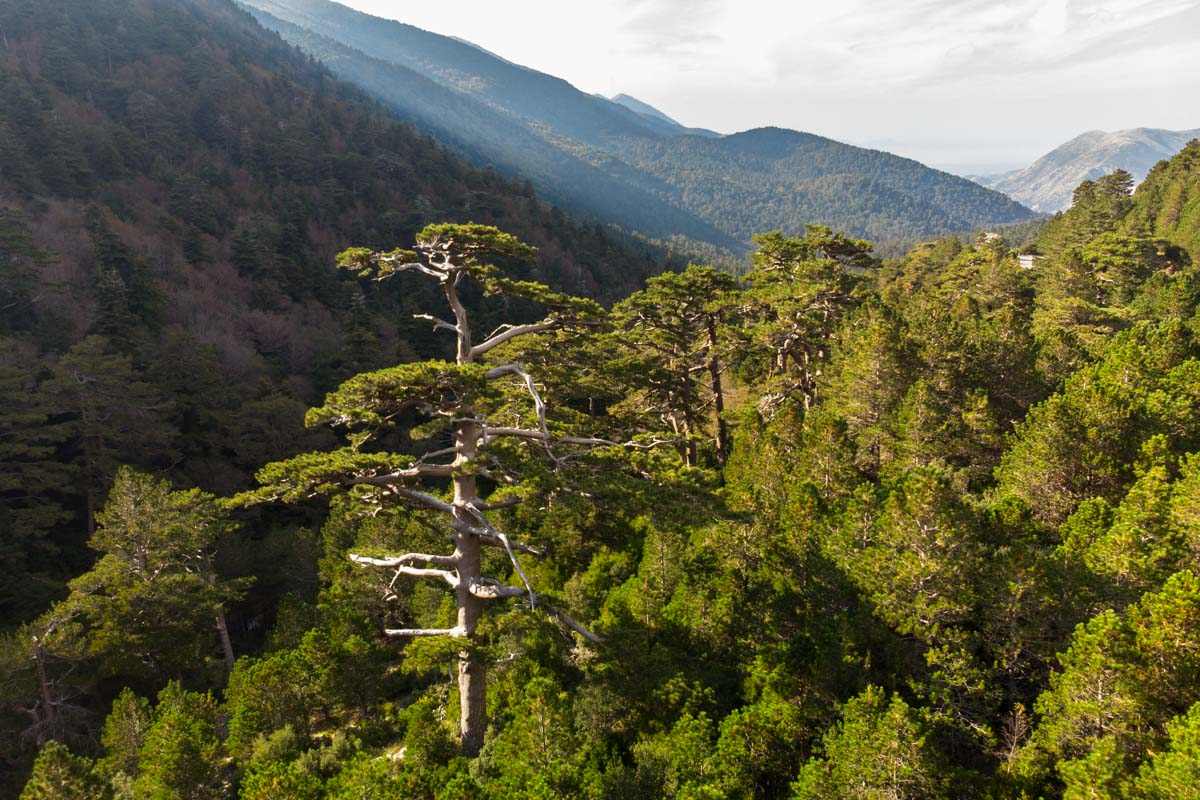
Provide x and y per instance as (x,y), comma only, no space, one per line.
(954,83)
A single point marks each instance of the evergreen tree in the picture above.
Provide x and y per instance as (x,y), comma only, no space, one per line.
(112,417)
(877,751)
(676,327)
(128,299)
(59,774)
(35,489)
(154,601)
(802,288)
(182,755)
(468,402)
(19,262)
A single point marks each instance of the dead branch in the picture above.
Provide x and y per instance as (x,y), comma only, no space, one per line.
(492,434)
(438,324)
(455,632)
(511,332)
(572,624)
(396,561)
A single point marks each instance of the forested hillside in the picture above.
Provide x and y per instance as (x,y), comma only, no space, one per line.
(1169,201)
(602,187)
(174,183)
(707,194)
(1047,184)
(311,486)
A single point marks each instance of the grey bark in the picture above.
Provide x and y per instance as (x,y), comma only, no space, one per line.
(471,529)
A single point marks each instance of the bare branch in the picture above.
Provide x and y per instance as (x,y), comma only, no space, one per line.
(495,591)
(650,445)
(396,561)
(407,267)
(506,332)
(402,475)
(445,451)
(438,324)
(400,564)
(512,556)
(456,632)
(417,572)
(496,476)
(422,498)
(489,539)
(572,624)
(491,434)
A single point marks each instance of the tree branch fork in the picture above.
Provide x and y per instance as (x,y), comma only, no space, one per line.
(483,588)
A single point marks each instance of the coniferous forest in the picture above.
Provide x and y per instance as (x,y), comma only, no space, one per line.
(333,467)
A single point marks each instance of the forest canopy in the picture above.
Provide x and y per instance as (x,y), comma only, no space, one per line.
(318,483)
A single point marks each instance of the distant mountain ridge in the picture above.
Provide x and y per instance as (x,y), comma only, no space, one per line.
(488,134)
(623,161)
(647,110)
(1048,184)
(465,68)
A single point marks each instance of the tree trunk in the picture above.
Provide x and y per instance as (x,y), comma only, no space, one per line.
(689,429)
(714,370)
(226,643)
(89,497)
(472,675)
(472,691)
(50,708)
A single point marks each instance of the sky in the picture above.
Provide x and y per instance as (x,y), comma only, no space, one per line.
(964,85)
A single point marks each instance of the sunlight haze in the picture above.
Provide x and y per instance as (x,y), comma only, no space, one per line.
(1017,77)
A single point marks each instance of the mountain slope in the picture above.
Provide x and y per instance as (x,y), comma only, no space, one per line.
(641,162)
(466,69)
(773,178)
(175,182)
(1167,203)
(1048,183)
(487,134)
(653,115)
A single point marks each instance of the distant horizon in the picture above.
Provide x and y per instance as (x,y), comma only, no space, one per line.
(969,87)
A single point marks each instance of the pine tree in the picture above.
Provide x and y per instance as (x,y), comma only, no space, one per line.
(154,598)
(676,327)
(493,415)
(877,750)
(111,416)
(182,754)
(34,491)
(802,288)
(59,774)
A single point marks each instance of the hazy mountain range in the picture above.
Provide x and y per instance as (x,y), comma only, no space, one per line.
(620,160)
(653,115)
(1048,183)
